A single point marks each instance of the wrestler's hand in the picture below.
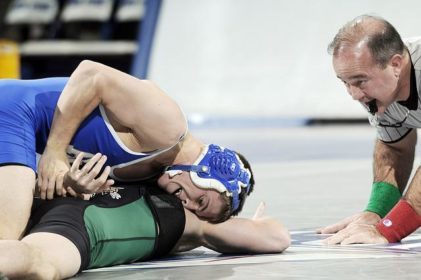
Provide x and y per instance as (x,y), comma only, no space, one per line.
(368,218)
(357,234)
(88,179)
(51,169)
(260,211)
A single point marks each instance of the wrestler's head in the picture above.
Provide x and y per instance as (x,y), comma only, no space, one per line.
(215,186)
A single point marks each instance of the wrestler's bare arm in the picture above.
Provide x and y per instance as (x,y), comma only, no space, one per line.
(136,106)
(236,235)
(139,105)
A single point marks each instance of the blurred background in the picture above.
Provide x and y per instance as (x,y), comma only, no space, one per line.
(225,61)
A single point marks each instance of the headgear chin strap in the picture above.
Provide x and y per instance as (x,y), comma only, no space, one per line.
(220,169)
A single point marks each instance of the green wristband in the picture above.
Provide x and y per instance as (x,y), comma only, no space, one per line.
(383,197)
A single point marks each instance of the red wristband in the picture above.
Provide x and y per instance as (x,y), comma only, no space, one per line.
(401,221)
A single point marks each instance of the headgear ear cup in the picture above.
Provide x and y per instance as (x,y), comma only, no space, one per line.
(220,169)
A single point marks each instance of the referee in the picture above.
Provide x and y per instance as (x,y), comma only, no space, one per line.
(382,73)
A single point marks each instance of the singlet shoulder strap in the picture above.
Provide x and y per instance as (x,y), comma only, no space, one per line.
(170,218)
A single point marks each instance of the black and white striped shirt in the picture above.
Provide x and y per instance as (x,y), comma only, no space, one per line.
(401,117)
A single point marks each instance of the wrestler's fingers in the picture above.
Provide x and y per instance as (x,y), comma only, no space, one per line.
(109,183)
(71,192)
(44,188)
(88,166)
(43,184)
(106,186)
(63,192)
(39,182)
(102,180)
(259,211)
(51,188)
(41,188)
(97,168)
(85,196)
(76,163)
(59,185)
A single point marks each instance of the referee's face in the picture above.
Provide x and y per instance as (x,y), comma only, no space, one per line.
(364,79)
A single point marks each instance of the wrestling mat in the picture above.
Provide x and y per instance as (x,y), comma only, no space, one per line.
(306,246)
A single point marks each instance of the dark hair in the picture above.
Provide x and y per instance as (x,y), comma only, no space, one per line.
(244,195)
(380,37)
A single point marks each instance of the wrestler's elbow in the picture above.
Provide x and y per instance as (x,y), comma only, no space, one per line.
(177,131)
(282,240)
(170,137)
(278,238)
(88,68)
(91,75)
(179,124)
(87,72)
(173,124)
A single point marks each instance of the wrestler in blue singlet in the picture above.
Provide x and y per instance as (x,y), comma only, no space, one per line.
(26,113)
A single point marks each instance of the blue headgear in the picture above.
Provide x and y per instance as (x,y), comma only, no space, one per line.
(219,169)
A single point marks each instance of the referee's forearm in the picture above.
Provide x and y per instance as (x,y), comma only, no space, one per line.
(413,195)
(393,162)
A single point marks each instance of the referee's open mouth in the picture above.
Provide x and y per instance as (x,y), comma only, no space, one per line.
(372,106)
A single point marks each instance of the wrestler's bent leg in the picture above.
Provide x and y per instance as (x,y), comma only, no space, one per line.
(17,184)
(39,256)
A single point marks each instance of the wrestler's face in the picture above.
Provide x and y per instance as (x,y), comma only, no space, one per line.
(206,204)
(364,79)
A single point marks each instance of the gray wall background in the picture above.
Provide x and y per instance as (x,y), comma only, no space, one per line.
(261,58)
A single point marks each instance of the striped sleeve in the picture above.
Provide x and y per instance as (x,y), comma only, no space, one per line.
(392,134)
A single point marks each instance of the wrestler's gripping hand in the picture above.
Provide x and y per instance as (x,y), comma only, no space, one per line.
(88,179)
(367,218)
(52,167)
(357,234)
